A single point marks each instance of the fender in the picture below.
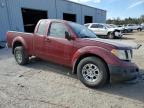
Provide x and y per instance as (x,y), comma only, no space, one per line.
(19,39)
(94,50)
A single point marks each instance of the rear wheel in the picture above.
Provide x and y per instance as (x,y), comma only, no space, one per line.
(92,72)
(20,55)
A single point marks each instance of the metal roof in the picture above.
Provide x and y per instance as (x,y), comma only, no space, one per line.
(84,5)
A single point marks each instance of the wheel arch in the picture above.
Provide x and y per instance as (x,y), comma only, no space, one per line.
(16,43)
(109,32)
(19,41)
(89,55)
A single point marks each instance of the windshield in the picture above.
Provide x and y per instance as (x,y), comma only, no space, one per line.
(114,26)
(108,26)
(120,26)
(82,31)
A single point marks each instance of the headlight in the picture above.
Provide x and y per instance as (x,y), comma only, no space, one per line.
(122,54)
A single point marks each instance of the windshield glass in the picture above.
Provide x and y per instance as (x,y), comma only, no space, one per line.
(82,31)
(108,26)
(114,26)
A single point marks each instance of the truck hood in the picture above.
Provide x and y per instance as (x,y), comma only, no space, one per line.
(117,43)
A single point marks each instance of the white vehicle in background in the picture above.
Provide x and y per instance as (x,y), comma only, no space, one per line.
(142,26)
(116,27)
(125,29)
(104,30)
(134,27)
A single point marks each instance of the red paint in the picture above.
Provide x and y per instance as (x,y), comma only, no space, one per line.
(61,50)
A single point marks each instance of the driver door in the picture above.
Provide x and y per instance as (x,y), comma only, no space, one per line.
(57,48)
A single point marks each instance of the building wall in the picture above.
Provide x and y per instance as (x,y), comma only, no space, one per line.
(4,20)
(100,16)
(11,16)
(68,7)
(15,10)
(88,11)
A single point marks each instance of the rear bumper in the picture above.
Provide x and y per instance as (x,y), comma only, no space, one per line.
(120,73)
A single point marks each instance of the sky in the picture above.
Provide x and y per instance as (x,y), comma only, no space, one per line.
(117,8)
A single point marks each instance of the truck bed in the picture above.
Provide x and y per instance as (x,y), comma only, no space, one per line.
(26,38)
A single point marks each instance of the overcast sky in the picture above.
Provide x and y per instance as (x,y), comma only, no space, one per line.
(117,8)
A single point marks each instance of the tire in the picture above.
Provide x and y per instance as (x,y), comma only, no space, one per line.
(110,35)
(20,55)
(85,68)
(139,29)
(125,31)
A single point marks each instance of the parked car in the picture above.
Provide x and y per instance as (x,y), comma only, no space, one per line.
(134,27)
(104,30)
(142,26)
(125,29)
(116,27)
(122,28)
(95,61)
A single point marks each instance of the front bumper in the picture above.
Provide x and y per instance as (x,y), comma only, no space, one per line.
(118,34)
(121,73)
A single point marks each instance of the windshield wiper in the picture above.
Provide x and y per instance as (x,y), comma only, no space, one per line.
(85,37)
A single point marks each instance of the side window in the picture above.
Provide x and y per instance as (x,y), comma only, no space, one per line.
(130,25)
(42,28)
(100,26)
(58,30)
(94,26)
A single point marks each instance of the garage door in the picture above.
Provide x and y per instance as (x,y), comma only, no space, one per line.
(69,17)
(31,17)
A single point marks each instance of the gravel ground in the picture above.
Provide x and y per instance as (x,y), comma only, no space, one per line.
(42,84)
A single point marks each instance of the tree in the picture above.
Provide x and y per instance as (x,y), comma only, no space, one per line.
(142,18)
(125,21)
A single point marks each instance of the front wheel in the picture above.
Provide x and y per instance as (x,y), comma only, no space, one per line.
(110,35)
(139,29)
(20,55)
(92,72)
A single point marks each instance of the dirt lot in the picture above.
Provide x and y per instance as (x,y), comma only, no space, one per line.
(42,84)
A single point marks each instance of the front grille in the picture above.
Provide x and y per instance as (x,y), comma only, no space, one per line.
(129,54)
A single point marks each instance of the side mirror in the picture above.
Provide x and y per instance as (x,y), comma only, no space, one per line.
(67,36)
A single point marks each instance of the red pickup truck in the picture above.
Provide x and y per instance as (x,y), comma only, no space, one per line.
(95,61)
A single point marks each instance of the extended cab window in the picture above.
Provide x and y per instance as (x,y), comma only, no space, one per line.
(58,30)
(42,28)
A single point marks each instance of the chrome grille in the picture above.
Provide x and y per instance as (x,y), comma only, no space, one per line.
(129,54)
